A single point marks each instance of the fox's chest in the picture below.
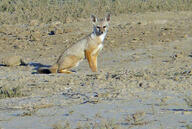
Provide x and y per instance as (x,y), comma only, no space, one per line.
(97,49)
(102,37)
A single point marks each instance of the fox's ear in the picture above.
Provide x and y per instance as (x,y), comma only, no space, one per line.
(93,19)
(108,17)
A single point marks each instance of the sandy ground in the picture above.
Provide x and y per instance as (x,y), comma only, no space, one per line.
(143,82)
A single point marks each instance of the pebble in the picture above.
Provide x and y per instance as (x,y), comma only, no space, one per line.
(36,36)
(11,61)
(59,31)
(34,22)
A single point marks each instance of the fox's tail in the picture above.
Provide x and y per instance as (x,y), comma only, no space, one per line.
(48,70)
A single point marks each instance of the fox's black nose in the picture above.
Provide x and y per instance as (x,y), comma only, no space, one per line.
(99,32)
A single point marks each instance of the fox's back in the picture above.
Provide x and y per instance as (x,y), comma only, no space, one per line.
(76,49)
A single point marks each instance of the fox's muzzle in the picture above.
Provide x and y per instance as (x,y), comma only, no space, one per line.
(101,30)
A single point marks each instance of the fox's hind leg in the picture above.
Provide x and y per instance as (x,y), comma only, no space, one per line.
(67,63)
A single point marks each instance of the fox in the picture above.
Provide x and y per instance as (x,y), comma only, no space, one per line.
(86,48)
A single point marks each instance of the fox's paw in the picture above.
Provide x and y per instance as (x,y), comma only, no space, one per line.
(65,71)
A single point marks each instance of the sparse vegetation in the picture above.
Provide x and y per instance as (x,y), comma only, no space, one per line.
(23,11)
(188,100)
(136,119)
(10,92)
(60,126)
(188,126)
(104,124)
(29,112)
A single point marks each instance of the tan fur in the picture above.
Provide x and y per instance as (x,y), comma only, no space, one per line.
(89,48)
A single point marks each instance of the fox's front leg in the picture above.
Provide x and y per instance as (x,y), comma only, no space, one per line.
(92,60)
(88,57)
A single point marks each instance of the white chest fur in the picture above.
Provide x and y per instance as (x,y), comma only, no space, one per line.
(102,37)
(99,48)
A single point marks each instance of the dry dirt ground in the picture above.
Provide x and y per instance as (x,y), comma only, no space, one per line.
(144,79)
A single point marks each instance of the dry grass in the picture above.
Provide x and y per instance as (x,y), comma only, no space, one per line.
(22,11)
(188,126)
(104,124)
(188,100)
(11,92)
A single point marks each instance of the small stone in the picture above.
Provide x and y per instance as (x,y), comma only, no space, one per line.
(138,115)
(139,23)
(101,76)
(51,32)
(179,55)
(34,22)
(56,23)
(187,113)
(59,31)
(36,36)
(163,34)
(12,61)
(68,20)
(67,30)
(190,72)
(184,36)
(17,46)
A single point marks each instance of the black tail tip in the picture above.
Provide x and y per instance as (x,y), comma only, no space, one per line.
(44,71)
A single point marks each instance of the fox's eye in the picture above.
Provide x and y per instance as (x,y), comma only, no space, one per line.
(98,27)
(104,27)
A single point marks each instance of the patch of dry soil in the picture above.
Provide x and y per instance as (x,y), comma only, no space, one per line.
(144,77)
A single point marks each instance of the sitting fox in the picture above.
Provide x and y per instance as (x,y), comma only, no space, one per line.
(87,48)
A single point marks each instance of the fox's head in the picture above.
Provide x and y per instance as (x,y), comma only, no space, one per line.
(100,26)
